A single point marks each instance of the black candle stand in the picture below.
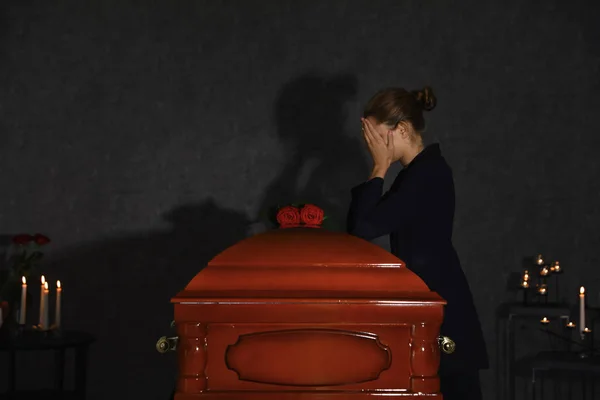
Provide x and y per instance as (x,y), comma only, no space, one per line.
(535,287)
(584,341)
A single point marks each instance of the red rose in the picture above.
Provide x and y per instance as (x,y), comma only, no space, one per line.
(288,217)
(41,239)
(311,215)
(22,239)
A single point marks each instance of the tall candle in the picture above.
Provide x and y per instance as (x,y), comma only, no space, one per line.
(44,309)
(42,298)
(581,310)
(23,301)
(58,300)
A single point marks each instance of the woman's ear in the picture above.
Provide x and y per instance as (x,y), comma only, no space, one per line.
(402,131)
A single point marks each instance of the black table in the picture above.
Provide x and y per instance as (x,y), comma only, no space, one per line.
(506,316)
(560,362)
(79,342)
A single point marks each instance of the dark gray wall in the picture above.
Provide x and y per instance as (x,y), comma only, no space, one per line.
(145,136)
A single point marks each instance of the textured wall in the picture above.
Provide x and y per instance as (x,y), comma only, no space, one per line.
(145,136)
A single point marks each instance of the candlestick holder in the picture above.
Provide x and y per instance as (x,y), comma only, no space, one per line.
(587,343)
(584,341)
(44,330)
(542,292)
(556,270)
(536,287)
(524,287)
(543,273)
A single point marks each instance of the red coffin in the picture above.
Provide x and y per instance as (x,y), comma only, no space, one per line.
(307,314)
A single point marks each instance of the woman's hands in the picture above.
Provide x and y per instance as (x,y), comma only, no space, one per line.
(382,150)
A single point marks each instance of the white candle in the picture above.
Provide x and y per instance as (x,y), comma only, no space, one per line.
(23,301)
(44,310)
(581,309)
(58,300)
(42,298)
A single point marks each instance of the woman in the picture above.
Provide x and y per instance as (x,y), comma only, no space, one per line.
(418,212)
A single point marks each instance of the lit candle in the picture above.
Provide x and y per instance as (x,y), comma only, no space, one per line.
(539,259)
(571,325)
(544,271)
(587,330)
(543,290)
(545,320)
(556,267)
(581,309)
(42,298)
(44,309)
(525,282)
(58,300)
(23,301)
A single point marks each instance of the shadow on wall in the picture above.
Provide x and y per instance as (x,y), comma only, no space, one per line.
(120,290)
(323,161)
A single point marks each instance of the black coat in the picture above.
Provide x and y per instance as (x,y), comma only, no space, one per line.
(418,214)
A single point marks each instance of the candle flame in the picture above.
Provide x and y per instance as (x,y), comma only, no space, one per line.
(46,285)
(58,284)
(43,279)
(582,290)
(540,259)
(24,280)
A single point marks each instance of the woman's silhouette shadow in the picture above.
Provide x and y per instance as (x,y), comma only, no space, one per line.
(323,161)
(120,290)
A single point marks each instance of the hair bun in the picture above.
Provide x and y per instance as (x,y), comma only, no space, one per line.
(425,98)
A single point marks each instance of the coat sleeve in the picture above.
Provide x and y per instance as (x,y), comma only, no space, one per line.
(372,215)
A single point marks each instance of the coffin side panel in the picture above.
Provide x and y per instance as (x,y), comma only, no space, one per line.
(289,357)
(308,357)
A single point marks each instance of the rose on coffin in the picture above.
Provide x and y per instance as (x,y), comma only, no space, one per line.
(306,215)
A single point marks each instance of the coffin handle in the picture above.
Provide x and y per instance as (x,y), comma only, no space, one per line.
(165,344)
(446,344)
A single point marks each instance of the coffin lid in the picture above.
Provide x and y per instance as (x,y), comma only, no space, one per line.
(305,263)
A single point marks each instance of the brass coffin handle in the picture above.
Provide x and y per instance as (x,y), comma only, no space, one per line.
(446,344)
(165,344)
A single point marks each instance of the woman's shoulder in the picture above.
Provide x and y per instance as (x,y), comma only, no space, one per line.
(432,166)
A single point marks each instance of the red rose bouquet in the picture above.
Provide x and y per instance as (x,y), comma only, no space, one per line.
(305,215)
